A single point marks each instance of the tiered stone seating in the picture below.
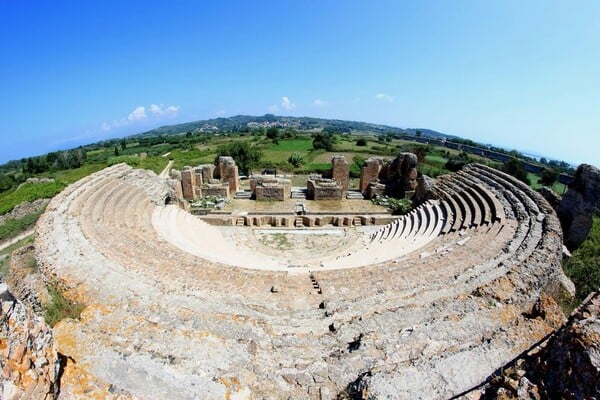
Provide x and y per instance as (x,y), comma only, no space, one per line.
(444,286)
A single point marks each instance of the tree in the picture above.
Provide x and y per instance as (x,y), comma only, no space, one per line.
(123,144)
(245,156)
(456,162)
(548,176)
(418,133)
(514,167)
(117,152)
(323,141)
(296,159)
(361,142)
(273,134)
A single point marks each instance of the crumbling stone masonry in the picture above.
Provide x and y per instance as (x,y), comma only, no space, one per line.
(188,183)
(396,178)
(340,171)
(318,188)
(267,187)
(370,172)
(227,171)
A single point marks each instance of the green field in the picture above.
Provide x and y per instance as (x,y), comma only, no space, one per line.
(28,192)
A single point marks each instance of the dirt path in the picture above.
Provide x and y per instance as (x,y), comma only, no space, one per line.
(165,172)
(17,238)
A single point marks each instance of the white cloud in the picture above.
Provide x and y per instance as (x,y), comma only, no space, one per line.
(155,112)
(220,113)
(320,103)
(384,97)
(138,114)
(171,110)
(273,108)
(158,109)
(287,104)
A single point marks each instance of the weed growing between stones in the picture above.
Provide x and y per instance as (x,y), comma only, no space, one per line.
(59,307)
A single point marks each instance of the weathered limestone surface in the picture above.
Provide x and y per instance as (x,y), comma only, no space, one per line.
(188,183)
(566,366)
(340,171)
(28,356)
(578,205)
(429,322)
(369,172)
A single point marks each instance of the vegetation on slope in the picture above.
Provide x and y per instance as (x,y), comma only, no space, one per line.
(59,307)
(12,227)
(28,192)
(584,266)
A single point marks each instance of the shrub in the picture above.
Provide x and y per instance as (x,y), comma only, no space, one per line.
(59,307)
(582,268)
(361,142)
(514,167)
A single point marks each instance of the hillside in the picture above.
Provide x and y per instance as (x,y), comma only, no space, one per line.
(246,122)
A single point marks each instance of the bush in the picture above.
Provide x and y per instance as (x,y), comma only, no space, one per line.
(59,307)
(29,192)
(455,163)
(548,177)
(398,206)
(583,267)
(514,167)
(323,141)
(245,156)
(361,142)
(296,159)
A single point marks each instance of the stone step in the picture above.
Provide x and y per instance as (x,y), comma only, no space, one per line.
(354,195)
(245,194)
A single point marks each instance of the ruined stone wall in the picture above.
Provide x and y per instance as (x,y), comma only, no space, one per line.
(227,171)
(28,353)
(267,193)
(401,179)
(267,187)
(216,190)
(188,183)
(207,171)
(324,190)
(340,171)
(370,172)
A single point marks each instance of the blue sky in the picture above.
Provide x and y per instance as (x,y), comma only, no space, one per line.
(520,74)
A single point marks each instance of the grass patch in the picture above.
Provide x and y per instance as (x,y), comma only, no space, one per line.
(156,164)
(73,175)
(291,145)
(12,227)
(583,268)
(21,243)
(191,157)
(133,161)
(59,307)
(435,160)
(29,192)
(318,168)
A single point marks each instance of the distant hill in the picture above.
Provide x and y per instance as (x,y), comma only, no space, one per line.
(243,122)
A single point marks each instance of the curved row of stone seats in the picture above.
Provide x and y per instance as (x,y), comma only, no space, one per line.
(521,198)
(476,206)
(396,239)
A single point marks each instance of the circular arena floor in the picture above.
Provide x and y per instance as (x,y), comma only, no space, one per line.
(427,306)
